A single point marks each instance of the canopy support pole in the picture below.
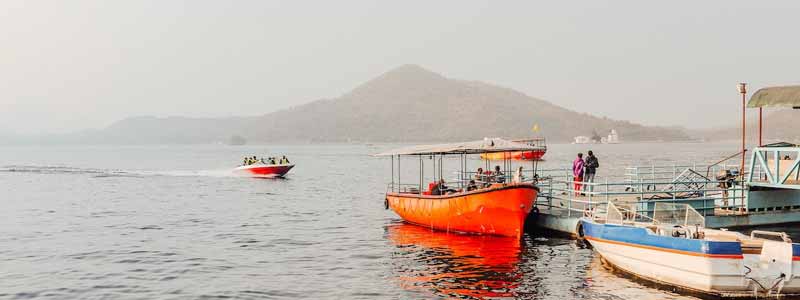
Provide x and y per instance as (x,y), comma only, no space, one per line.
(421,174)
(760,126)
(392,173)
(743,91)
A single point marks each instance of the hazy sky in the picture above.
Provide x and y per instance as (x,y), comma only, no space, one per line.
(70,65)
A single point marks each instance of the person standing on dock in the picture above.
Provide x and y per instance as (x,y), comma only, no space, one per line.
(590,167)
(577,173)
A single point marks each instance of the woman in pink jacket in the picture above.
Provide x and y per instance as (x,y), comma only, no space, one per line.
(577,173)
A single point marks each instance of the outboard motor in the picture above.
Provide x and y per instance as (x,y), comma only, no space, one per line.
(726,178)
(773,268)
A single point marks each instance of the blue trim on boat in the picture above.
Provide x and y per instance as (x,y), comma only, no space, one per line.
(640,236)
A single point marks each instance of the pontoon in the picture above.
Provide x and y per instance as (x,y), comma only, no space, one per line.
(764,190)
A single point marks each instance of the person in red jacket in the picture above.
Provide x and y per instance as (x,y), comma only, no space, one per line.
(577,173)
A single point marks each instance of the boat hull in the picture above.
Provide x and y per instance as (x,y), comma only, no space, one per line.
(710,267)
(515,155)
(498,210)
(261,170)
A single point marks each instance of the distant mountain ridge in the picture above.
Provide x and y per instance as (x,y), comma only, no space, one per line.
(407,104)
(779,125)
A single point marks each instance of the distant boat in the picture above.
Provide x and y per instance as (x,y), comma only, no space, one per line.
(613,138)
(537,154)
(582,139)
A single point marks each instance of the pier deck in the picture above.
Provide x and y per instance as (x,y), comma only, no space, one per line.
(723,203)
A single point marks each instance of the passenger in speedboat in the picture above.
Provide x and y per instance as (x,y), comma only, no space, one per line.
(284,160)
(272,161)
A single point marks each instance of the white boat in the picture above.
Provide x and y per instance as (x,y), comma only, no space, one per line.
(673,248)
(582,139)
(613,138)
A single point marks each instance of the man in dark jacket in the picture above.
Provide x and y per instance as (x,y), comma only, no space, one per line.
(590,166)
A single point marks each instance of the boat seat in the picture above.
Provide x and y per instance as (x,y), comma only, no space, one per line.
(752,243)
(721,236)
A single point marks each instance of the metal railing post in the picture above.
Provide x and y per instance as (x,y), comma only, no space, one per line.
(607,191)
(550,194)
(570,189)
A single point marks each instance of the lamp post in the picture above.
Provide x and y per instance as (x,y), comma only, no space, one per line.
(743,90)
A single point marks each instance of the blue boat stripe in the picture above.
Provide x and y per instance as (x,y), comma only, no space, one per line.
(640,236)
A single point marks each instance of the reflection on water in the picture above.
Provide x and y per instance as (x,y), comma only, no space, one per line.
(454,265)
(438,264)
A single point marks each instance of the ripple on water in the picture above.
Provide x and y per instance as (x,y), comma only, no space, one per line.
(162,227)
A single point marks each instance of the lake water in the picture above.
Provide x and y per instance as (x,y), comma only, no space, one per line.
(172,222)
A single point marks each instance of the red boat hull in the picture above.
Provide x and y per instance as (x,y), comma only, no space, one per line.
(498,210)
(260,170)
(518,155)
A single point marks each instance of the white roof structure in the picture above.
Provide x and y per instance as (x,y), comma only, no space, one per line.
(487,145)
(776,96)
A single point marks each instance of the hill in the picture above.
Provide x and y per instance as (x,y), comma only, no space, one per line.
(407,104)
(411,104)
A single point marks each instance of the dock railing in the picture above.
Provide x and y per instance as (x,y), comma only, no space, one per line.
(775,167)
(642,188)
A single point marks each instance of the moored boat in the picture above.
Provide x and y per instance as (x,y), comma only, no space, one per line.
(536,154)
(498,210)
(674,248)
(492,204)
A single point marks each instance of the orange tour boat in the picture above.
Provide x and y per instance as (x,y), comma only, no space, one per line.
(536,154)
(488,203)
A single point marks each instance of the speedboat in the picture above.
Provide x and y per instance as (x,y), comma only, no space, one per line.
(673,248)
(260,169)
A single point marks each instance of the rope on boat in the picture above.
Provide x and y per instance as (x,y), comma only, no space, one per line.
(777,281)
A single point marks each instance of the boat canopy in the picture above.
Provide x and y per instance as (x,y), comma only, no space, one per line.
(778,96)
(488,145)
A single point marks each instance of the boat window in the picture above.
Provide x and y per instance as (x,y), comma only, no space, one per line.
(677,214)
